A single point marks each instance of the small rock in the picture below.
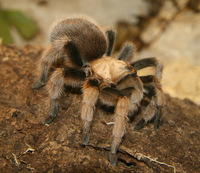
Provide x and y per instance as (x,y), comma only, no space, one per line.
(168,10)
(181,3)
(5,59)
(152,31)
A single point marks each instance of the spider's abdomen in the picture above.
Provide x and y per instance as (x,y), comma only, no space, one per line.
(111,69)
(86,35)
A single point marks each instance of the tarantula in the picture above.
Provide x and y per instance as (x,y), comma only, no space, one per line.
(80,51)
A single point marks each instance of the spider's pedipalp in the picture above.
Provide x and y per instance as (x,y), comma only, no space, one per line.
(136,96)
(90,96)
(126,52)
(154,108)
(111,39)
(150,112)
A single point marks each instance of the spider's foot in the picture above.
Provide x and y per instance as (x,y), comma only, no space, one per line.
(157,124)
(157,121)
(53,113)
(85,138)
(113,158)
(49,119)
(140,124)
(38,85)
(130,117)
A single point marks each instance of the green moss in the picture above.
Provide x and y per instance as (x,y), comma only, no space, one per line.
(26,27)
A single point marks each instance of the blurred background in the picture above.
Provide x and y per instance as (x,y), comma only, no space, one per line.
(166,29)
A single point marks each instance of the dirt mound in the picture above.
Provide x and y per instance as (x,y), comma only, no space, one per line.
(26,145)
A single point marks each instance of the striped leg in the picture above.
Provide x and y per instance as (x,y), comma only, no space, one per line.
(90,97)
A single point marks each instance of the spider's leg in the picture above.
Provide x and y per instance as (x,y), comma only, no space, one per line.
(147,79)
(154,91)
(43,67)
(53,111)
(56,89)
(43,77)
(147,62)
(54,56)
(73,53)
(160,103)
(65,76)
(157,121)
(127,52)
(154,108)
(57,85)
(126,103)
(90,97)
(121,112)
(111,39)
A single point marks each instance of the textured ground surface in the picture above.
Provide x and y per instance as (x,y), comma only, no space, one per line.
(26,145)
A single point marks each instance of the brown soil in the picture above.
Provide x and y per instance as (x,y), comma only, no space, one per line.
(26,145)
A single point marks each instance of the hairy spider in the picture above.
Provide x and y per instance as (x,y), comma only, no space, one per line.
(81,51)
